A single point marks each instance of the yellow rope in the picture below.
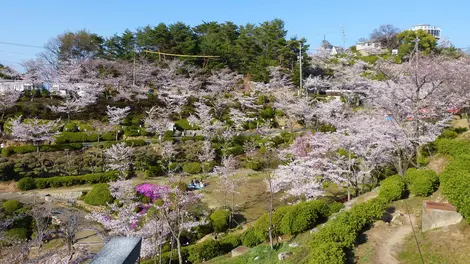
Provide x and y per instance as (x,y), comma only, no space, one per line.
(181,55)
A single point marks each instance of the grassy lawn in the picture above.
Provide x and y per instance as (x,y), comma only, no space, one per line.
(444,245)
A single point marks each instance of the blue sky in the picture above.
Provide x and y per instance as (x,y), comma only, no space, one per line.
(34,22)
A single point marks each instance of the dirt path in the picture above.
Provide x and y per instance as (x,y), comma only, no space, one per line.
(386,239)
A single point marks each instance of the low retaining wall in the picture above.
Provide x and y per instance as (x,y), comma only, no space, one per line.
(435,215)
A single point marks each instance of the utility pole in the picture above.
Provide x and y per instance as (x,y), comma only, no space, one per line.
(133,68)
(344,37)
(300,66)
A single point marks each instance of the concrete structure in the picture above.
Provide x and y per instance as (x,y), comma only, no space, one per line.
(368,45)
(435,215)
(6,85)
(119,250)
(239,251)
(336,51)
(433,30)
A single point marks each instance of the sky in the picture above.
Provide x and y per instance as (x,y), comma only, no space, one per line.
(33,22)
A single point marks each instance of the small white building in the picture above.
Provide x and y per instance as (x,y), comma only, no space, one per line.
(368,45)
(7,85)
(433,30)
(336,51)
(61,90)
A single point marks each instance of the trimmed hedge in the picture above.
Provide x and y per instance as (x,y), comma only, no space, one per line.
(249,238)
(8,151)
(204,251)
(421,182)
(303,216)
(220,220)
(192,168)
(392,188)
(74,137)
(99,195)
(455,184)
(25,184)
(65,181)
(331,241)
(453,147)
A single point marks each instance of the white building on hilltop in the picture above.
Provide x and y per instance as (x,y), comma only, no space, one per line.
(433,30)
(7,85)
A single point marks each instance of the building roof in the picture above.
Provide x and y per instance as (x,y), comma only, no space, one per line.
(119,250)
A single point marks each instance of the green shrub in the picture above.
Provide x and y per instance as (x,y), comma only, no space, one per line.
(303,216)
(135,142)
(460,130)
(183,124)
(20,233)
(134,131)
(192,168)
(99,195)
(11,206)
(449,134)
(249,238)
(74,137)
(255,165)
(204,251)
(392,188)
(453,147)
(8,151)
(220,220)
(25,184)
(329,243)
(230,242)
(329,252)
(261,227)
(334,207)
(421,182)
(207,166)
(455,184)
(65,181)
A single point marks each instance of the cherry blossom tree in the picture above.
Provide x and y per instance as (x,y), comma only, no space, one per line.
(418,98)
(156,122)
(206,154)
(119,157)
(174,211)
(34,130)
(74,103)
(116,115)
(8,99)
(228,183)
(309,166)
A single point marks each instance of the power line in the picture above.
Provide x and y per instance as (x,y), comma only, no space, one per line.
(17,53)
(21,45)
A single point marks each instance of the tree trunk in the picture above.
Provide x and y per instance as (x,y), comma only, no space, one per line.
(180,257)
(271,220)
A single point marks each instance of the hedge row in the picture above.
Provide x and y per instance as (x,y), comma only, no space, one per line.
(455,184)
(331,241)
(73,137)
(8,151)
(132,142)
(65,181)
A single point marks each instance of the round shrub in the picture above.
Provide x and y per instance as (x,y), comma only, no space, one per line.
(230,242)
(99,195)
(421,182)
(303,216)
(453,147)
(207,166)
(20,233)
(11,206)
(192,168)
(206,250)
(329,252)
(249,238)
(392,188)
(220,220)
(25,184)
